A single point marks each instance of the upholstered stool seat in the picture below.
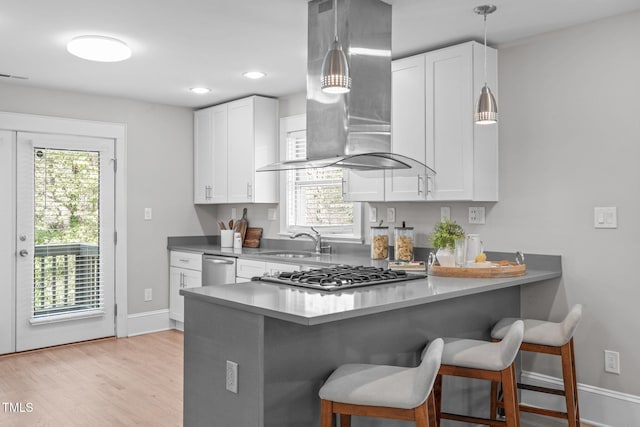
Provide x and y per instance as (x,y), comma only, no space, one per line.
(550,338)
(483,360)
(382,391)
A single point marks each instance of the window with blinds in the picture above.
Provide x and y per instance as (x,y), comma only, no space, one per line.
(314,196)
(66,270)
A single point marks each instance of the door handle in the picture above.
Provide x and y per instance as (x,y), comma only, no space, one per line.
(24,252)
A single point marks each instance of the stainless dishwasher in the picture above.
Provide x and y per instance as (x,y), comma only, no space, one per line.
(218,270)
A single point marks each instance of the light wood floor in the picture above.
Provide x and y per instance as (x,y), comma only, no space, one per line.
(133,381)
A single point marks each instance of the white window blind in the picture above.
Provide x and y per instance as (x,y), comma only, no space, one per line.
(67,267)
(314,196)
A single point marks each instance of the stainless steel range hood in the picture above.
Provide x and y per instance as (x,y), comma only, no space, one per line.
(351,130)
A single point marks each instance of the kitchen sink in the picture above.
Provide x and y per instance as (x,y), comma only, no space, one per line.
(289,254)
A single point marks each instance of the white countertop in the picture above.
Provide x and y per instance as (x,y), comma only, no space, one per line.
(312,307)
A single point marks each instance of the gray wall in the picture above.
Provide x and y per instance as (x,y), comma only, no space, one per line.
(159,176)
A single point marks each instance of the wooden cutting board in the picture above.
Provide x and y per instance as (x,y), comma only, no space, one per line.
(495,270)
(252,238)
(241,225)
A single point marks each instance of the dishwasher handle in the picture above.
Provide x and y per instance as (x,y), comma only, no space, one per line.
(218,261)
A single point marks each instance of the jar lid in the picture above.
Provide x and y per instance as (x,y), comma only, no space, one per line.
(404,228)
(380,227)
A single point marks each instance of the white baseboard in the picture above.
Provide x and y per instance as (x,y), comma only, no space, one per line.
(598,406)
(149,321)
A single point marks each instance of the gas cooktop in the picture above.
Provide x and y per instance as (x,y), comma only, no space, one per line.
(340,277)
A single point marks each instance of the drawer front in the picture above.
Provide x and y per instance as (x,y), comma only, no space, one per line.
(189,260)
(247,268)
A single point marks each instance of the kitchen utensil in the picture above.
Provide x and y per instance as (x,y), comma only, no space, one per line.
(242,224)
(230,224)
(252,238)
(221,225)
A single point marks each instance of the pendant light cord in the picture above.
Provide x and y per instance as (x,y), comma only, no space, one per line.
(335,21)
(485,48)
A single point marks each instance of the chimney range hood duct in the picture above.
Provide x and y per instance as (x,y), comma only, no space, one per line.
(351,130)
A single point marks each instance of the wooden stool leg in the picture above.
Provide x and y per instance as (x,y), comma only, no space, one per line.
(421,416)
(493,411)
(510,396)
(437,394)
(326,413)
(345,420)
(431,410)
(570,383)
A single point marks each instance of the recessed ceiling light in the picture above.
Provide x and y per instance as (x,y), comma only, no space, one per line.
(200,90)
(99,48)
(254,74)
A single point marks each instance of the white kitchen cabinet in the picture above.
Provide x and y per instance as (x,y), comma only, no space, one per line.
(408,105)
(362,186)
(433,100)
(231,141)
(185,271)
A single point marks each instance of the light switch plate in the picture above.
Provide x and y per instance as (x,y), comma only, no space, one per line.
(391,214)
(373,214)
(605,217)
(234,214)
(148,214)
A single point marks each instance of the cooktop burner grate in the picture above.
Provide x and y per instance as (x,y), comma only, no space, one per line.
(340,277)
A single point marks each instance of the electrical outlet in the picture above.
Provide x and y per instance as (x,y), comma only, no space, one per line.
(272,214)
(148,214)
(605,217)
(476,215)
(373,214)
(148,294)
(232,376)
(234,214)
(391,214)
(612,362)
(445,213)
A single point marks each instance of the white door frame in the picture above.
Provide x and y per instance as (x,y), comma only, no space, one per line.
(116,131)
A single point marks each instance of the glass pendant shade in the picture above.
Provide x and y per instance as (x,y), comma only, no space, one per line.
(335,76)
(487,109)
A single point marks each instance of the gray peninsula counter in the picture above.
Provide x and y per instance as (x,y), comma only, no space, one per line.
(287,340)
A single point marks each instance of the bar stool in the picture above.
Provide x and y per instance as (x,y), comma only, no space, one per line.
(493,361)
(383,391)
(550,338)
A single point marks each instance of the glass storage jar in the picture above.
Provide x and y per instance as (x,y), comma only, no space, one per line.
(379,242)
(403,243)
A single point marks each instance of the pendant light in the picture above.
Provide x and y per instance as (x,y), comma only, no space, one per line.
(487,109)
(335,68)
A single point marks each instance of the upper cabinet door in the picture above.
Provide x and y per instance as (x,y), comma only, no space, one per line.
(241,151)
(220,156)
(407,128)
(203,156)
(449,136)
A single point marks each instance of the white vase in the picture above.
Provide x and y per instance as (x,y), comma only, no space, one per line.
(445,257)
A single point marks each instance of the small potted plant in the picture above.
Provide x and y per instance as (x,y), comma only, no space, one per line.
(443,240)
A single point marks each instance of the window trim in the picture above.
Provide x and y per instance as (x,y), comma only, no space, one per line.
(299,123)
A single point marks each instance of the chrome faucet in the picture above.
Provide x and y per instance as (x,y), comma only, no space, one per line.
(317,239)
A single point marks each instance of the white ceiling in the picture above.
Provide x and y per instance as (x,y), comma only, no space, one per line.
(180,44)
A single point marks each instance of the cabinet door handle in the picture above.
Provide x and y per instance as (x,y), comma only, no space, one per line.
(344,186)
(419,186)
(249,190)
(429,186)
(182,280)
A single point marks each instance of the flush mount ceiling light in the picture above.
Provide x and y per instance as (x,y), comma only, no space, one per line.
(254,75)
(335,76)
(99,48)
(200,90)
(487,109)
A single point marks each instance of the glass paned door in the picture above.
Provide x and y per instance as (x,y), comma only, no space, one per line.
(65,213)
